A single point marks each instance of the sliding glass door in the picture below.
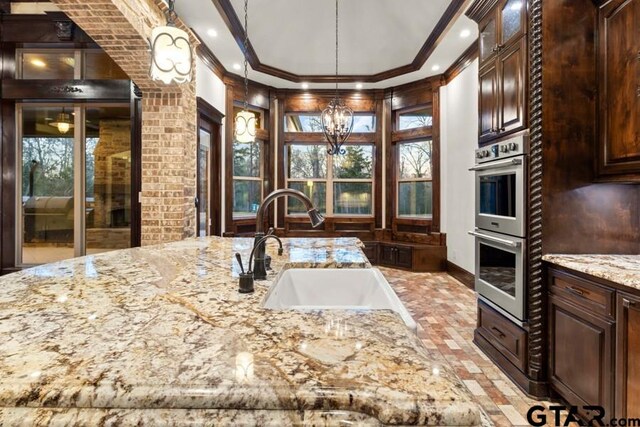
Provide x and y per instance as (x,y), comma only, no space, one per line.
(75,186)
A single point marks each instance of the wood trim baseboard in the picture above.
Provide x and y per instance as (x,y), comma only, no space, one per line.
(462,275)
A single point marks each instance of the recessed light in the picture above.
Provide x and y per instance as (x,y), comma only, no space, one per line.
(465,33)
(236,66)
(305,85)
(212,33)
(358,85)
(435,67)
(38,63)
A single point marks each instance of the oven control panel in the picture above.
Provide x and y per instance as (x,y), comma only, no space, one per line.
(500,150)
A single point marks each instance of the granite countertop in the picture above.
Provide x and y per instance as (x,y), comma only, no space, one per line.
(159,335)
(621,269)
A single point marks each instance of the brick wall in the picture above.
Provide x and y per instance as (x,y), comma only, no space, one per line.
(122,28)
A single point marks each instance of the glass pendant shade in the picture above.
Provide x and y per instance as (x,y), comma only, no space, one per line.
(337,123)
(63,122)
(245,126)
(171,55)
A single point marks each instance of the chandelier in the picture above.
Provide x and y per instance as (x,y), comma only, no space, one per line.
(171,54)
(337,118)
(63,122)
(245,121)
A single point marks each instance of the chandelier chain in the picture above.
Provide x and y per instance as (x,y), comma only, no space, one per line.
(336,48)
(171,13)
(246,47)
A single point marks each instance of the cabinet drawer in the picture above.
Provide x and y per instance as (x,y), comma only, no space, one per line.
(583,293)
(503,334)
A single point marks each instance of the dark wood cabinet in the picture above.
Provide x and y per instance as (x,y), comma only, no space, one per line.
(488,102)
(503,70)
(628,356)
(581,355)
(371,251)
(594,343)
(618,154)
(394,255)
(512,87)
(504,335)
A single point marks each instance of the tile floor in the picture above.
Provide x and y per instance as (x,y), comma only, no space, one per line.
(445,311)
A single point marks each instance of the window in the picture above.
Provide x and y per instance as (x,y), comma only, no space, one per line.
(67,64)
(247,178)
(337,185)
(415,179)
(415,118)
(312,122)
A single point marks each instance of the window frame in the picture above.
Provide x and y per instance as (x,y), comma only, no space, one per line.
(259,178)
(330,180)
(414,224)
(79,55)
(400,180)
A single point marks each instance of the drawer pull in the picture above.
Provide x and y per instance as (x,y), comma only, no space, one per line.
(575,291)
(627,303)
(498,331)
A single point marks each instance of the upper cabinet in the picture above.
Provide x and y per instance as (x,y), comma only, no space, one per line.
(618,156)
(503,67)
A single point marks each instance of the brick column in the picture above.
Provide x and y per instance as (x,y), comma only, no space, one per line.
(169,125)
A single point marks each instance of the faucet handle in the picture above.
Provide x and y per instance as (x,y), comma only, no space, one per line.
(270,231)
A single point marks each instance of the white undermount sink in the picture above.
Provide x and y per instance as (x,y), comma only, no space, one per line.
(335,288)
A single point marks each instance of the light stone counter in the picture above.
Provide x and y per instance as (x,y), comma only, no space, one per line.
(620,269)
(160,336)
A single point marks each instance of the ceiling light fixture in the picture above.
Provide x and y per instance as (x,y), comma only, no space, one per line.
(171,53)
(245,120)
(237,66)
(305,85)
(435,67)
(63,122)
(212,33)
(358,85)
(337,118)
(465,33)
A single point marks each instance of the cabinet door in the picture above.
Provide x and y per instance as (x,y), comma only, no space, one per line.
(387,255)
(619,88)
(512,21)
(371,252)
(512,87)
(404,256)
(488,39)
(488,103)
(628,357)
(581,355)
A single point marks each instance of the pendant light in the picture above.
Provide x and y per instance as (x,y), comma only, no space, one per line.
(337,118)
(63,122)
(171,53)
(245,120)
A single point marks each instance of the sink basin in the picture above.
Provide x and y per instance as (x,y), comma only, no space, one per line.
(337,289)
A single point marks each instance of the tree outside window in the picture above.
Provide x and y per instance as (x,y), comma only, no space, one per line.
(415,186)
(338,185)
(247,178)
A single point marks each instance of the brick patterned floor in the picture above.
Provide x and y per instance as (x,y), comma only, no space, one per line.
(445,311)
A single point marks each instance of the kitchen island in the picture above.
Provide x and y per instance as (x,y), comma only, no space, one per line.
(160,336)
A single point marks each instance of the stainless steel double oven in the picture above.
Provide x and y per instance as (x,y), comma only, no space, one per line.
(500,233)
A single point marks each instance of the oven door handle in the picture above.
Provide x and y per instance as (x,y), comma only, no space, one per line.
(510,243)
(497,165)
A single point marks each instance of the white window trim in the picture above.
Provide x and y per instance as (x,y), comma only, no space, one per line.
(405,180)
(248,178)
(329,180)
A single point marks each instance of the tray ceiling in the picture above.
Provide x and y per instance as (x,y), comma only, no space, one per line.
(382,42)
